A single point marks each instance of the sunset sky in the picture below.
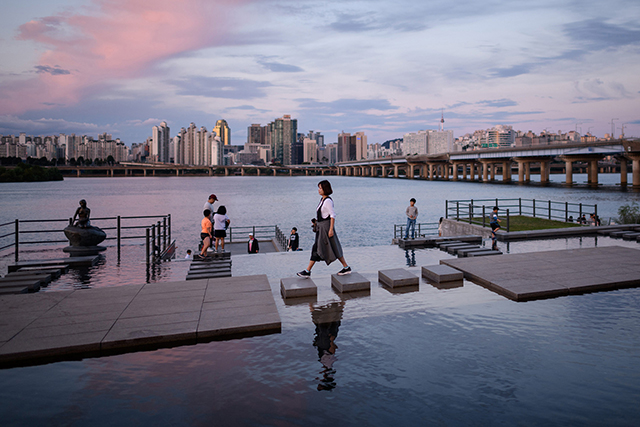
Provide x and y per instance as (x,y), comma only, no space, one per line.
(380,66)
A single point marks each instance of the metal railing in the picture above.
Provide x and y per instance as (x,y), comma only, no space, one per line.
(26,232)
(260,232)
(422,229)
(475,211)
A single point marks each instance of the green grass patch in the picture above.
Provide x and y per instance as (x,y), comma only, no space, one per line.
(526,223)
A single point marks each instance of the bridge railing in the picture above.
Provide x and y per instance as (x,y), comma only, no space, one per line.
(477,211)
(422,229)
(260,232)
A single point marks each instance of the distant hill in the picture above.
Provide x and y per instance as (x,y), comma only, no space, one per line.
(386,143)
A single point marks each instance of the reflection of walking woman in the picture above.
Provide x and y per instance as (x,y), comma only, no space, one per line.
(327,246)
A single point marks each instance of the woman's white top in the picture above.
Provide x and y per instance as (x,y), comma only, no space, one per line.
(220,221)
(327,208)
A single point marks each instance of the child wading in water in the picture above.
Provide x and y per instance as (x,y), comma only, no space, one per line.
(327,246)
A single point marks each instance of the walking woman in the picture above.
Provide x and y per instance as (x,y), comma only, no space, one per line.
(327,246)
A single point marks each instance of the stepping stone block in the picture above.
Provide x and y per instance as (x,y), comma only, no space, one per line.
(466,252)
(455,249)
(295,287)
(487,252)
(441,273)
(443,245)
(630,236)
(350,283)
(398,277)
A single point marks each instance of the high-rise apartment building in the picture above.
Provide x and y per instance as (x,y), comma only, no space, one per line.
(415,143)
(222,130)
(159,148)
(501,136)
(310,150)
(360,146)
(284,133)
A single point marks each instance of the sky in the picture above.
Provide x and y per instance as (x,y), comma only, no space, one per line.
(379,66)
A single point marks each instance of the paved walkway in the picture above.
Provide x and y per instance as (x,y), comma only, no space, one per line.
(36,328)
(537,275)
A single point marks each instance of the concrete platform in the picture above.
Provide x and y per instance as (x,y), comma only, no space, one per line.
(432,241)
(211,267)
(398,277)
(633,235)
(43,327)
(350,283)
(441,273)
(538,275)
(297,287)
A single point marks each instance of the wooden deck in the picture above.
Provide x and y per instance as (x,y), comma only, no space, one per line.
(538,275)
(41,327)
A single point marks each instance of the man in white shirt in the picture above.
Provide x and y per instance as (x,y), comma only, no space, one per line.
(209,205)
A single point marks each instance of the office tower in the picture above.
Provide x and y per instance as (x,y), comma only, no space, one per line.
(501,136)
(317,137)
(297,150)
(440,141)
(344,141)
(222,130)
(256,134)
(360,146)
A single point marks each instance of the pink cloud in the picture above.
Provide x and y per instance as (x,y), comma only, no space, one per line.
(123,40)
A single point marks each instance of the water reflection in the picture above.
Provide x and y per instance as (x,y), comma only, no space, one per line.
(411,259)
(327,318)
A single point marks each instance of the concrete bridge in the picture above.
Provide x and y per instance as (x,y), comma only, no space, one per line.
(162,169)
(486,164)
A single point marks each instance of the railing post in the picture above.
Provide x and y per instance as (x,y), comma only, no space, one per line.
(419,230)
(507,220)
(549,209)
(446,209)
(148,246)
(595,209)
(457,211)
(566,211)
(153,241)
(580,211)
(471,207)
(534,208)
(164,234)
(470,213)
(159,246)
(395,231)
(119,233)
(17,247)
(520,206)
(484,217)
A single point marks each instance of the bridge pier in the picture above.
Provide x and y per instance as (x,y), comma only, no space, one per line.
(635,169)
(623,170)
(257,171)
(144,172)
(506,171)
(275,171)
(395,171)
(455,171)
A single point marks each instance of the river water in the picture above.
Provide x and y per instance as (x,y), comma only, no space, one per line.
(453,357)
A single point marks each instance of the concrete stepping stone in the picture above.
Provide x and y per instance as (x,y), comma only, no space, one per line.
(455,249)
(398,277)
(350,283)
(465,252)
(487,252)
(631,235)
(617,234)
(441,273)
(296,287)
(76,261)
(449,242)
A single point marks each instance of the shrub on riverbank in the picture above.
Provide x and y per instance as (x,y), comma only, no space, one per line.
(629,214)
(527,223)
(29,173)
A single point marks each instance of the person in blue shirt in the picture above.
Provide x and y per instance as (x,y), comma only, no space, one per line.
(494,222)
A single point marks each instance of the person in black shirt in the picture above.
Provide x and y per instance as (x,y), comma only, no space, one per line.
(294,240)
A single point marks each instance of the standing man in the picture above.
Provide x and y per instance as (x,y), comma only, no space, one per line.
(252,246)
(412,214)
(209,205)
(294,240)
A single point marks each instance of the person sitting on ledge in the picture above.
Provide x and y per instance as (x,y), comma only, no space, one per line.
(82,213)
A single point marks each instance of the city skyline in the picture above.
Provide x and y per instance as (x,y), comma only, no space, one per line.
(121,67)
